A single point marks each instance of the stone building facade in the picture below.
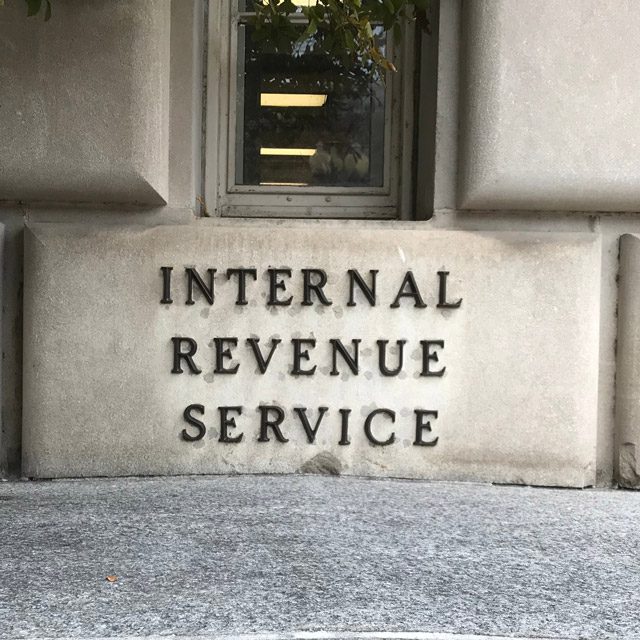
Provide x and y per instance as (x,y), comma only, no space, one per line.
(471,316)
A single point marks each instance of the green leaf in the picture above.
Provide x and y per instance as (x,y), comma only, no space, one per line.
(342,29)
(312,27)
(287,6)
(328,41)
(349,42)
(33,6)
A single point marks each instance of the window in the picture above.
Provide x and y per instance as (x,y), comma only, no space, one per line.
(301,135)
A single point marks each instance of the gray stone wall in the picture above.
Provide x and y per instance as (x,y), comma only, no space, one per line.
(505,159)
(101,112)
(535,132)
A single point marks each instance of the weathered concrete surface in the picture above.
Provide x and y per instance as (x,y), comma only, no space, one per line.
(628,365)
(517,401)
(551,102)
(85,102)
(218,557)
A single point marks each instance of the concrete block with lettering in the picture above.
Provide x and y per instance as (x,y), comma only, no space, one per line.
(85,102)
(364,349)
(551,96)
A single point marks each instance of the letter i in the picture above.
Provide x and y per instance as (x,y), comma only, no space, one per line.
(166,285)
(344,430)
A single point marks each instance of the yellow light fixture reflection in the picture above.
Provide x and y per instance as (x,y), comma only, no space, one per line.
(285,184)
(292,99)
(275,151)
(298,3)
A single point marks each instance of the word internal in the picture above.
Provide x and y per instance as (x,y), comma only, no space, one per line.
(312,287)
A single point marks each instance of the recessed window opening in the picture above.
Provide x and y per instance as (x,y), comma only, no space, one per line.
(305,134)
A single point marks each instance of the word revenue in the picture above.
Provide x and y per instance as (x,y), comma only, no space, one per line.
(311,287)
(299,357)
(377,425)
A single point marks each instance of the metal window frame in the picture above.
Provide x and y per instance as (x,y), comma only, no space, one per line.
(392,201)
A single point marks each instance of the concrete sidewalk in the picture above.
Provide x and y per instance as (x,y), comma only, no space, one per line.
(316,557)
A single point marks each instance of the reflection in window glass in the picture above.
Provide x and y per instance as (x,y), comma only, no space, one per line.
(306,120)
(249,5)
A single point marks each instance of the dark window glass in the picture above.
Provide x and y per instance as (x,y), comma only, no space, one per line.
(306,120)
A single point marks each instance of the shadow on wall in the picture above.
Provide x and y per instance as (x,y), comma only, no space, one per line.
(11,372)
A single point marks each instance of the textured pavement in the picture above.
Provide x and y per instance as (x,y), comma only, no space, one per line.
(316,557)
